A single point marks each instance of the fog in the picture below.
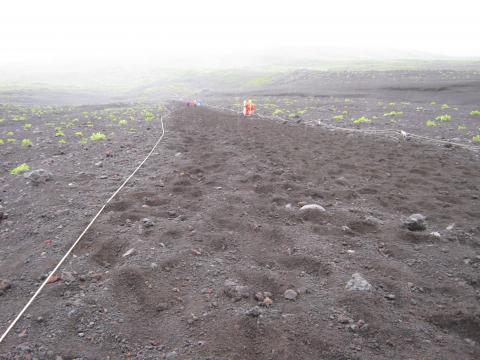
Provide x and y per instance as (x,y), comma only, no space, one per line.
(59,37)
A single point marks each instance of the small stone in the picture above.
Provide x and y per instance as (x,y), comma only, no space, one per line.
(390,296)
(129,252)
(259,296)
(171,355)
(415,222)
(314,207)
(5,284)
(373,221)
(254,312)
(147,222)
(235,291)
(343,319)
(290,294)
(358,283)
(67,276)
(267,302)
(353,327)
(302,290)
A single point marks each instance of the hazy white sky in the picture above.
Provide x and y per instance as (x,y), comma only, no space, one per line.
(59,32)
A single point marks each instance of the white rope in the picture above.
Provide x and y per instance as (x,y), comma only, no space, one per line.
(79,238)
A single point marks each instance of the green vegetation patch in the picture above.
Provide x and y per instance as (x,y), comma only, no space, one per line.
(26,142)
(443,118)
(98,136)
(19,169)
(362,120)
(475,113)
(393,113)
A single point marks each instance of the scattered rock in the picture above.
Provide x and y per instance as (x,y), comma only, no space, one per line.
(415,222)
(38,176)
(171,355)
(254,312)
(147,222)
(373,221)
(235,291)
(390,296)
(259,296)
(67,276)
(267,302)
(290,294)
(358,283)
(5,285)
(312,207)
(343,319)
(54,278)
(129,252)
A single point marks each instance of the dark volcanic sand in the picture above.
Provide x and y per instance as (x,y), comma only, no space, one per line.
(216,191)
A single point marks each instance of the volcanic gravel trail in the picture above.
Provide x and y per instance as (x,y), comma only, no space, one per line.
(173,266)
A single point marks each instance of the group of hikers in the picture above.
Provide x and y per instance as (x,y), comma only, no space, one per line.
(248,106)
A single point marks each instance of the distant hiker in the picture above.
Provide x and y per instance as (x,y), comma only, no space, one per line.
(248,108)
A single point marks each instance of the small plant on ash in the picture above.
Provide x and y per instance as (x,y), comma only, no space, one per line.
(98,136)
(443,118)
(26,142)
(362,120)
(19,169)
(393,113)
